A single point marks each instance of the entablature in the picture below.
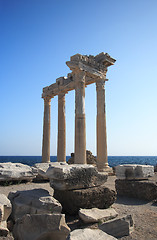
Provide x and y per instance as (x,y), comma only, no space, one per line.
(95,68)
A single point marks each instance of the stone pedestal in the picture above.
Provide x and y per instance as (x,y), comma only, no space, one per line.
(61,150)
(80,124)
(46,131)
(102,161)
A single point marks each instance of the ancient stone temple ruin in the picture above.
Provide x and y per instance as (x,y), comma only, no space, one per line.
(85,70)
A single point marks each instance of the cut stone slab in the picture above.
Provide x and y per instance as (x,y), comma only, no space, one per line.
(16,172)
(43,167)
(118,227)
(41,227)
(75,176)
(35,201)
(146,190)
(89,234)
(134,171)
(96,215)
(5,211)
(96,197)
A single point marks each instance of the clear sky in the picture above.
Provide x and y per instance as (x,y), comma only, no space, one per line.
(37,37)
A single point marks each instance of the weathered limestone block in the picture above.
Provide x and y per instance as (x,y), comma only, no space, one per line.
(41,227)
(36,201)
(75,176)
(43,167)
(146,190)
(118,227)
(16,172)
(89,234)
(90,158)
(96,197)
(96,215)
(5,211)
(134,171)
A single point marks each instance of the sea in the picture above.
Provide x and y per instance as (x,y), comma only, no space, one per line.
(112,160)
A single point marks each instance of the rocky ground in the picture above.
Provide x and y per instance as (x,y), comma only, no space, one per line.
(144,213)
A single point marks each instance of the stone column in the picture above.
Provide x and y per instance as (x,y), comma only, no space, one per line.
(102,161)
(61,149)
(46,131)
(80,122)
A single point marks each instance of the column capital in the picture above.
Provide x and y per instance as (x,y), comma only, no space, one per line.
(61,96)
(47,100)
(79,76)
(100,84)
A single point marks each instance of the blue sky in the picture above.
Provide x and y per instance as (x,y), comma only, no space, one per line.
(37,37)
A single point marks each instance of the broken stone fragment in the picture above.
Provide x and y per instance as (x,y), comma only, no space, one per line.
(43,167)
(75,176)
(96,215)
(35,201)
(16,172)
(5,211)
(89,234)
(134,171)
(118,227)
(41,227)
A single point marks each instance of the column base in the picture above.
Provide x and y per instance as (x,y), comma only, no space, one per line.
(106,169)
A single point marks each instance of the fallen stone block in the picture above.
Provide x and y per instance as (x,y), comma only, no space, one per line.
(96,215)
(43,167)
(118,227)
(41,227)
(75,176)
(5,211)
(146,190)
(16,172)
(35,201)
(96,197)
(134,171)
(89,234)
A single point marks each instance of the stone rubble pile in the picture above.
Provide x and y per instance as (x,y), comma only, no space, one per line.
(80,186)
(133,181)
(78,189)
(90,158)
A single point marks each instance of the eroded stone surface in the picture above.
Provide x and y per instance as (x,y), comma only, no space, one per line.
(134,171)
(16,172)
(5,211)
(96,197)
(118,227)
(90,158)
(146,190)
(96,215)
(36,201)
(43,167)
(41,227)
(75,176)
(89,234)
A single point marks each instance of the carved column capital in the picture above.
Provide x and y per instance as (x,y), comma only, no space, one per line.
(61,96)
(47,100)
(79,77)
(100,85)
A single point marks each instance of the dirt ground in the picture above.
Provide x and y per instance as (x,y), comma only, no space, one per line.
(144,213)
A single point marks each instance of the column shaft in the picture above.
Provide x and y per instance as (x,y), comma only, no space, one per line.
(102,161)
(61,149)
(80,122)
(46,131)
